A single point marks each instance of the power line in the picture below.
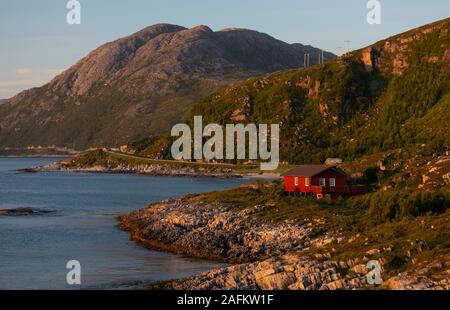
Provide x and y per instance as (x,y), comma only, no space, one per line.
(347,42)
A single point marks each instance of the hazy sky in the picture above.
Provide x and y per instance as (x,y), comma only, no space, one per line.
(37,43)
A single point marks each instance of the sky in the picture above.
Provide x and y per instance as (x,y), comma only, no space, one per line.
(37,43)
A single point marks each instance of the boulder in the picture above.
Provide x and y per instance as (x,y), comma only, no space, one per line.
(333,161)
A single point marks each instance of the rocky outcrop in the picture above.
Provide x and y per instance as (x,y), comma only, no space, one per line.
(371,58)
(214,231)
(393,56)
(288,272)
(243,112)
(333,161)
(23,212)
(295,271)
(434,276)
(270,256)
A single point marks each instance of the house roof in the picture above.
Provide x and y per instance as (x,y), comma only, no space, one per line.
(311,170)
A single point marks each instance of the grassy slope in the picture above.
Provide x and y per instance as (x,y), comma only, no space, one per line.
(341,109)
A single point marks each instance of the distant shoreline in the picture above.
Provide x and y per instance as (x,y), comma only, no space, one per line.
(253,176)
(173,173)
(36,156)
(113,163)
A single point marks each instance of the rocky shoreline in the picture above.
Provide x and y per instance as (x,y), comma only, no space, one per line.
(296,272)
(204,230)
(169,169)
(267,256)
(150,169)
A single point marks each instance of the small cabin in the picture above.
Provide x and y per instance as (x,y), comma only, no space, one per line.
(320,181)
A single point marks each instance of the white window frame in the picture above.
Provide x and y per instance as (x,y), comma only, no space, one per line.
(306,181)
(332,182)
(295,181)
(322,182)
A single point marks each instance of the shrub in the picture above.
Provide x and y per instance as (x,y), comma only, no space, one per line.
(389,206)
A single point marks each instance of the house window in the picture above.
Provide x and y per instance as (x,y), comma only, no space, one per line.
(306,181)
(322,182)
(296,181)
(332,182)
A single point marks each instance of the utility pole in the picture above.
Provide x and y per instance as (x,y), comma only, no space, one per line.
(321,61)
(306,60)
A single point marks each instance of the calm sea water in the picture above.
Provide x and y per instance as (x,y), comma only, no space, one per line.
(34,250)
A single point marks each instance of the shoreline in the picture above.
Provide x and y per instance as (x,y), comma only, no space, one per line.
(250,176)
(37,156)
(191,226)
(100,161)
(153,170)
(264,255)
(171,173)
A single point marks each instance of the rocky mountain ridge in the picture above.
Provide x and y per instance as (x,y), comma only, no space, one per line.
(140,85)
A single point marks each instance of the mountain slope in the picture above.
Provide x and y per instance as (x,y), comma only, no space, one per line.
(141,85)
(388,95)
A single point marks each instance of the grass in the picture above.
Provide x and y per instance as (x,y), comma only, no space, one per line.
(424,238)
(405,242)
(277,206)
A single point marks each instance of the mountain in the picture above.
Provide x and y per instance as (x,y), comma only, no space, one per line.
(391,94)
(141,85)
(2,101)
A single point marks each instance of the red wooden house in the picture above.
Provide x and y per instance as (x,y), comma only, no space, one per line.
(320,181)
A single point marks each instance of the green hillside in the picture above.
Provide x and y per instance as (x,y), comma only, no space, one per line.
(389,95)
